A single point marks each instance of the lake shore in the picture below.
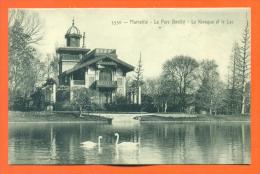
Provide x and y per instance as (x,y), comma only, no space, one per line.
(73,117)
(16,116)
(192,118)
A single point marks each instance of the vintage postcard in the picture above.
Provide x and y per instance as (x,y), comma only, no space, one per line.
(129,86)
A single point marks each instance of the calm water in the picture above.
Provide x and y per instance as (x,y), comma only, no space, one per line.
(161,143)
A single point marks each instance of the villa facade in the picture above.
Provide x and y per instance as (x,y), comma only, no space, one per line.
(98,69)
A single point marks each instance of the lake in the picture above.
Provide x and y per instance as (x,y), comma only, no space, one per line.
(159,143)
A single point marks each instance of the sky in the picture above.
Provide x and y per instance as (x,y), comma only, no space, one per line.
(158,34)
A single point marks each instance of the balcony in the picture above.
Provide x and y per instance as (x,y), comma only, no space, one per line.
(106,84)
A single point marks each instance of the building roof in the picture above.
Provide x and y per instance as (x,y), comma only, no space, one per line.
(72,49)
(97,52)
(73,30)
(80,65)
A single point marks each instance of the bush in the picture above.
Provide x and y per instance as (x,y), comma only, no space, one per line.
(64,106)
(19,104)
(62,95)
(96,107)
(119,99)
(34,102)
(38,101)
(123,107)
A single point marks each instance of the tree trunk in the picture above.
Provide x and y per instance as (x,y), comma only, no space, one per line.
(80,111)
(243,98)
(165,106)
(245,63)
(210,107)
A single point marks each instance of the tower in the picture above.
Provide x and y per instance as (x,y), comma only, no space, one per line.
(72,53)
(73,36)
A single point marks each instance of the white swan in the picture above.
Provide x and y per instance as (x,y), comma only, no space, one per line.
(126,145)
(90,144)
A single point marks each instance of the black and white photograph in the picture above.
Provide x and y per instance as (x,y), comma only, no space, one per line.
(129,86)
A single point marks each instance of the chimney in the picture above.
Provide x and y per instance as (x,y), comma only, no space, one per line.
(84,36)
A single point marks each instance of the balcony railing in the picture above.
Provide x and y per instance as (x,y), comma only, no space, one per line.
(78,82)
(106,84)
(63,87)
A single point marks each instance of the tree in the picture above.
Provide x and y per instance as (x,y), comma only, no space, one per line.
(159,92)
(138,79)
(82,99)
(244,65)
(182,71)
(208,94)
(38,100)
(55,67)
(168,91)
(153,89)
(29,22)
(52,68)
(239,75)
(24,31)
(233,100)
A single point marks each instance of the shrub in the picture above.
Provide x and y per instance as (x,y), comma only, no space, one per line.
(82,99)
(62,95)
(64,106)
(119,99)
(123,107)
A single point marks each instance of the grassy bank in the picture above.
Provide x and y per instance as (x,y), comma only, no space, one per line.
(147,118)
(73,116)
(14,116)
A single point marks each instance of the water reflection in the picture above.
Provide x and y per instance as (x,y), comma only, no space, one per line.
(164,143)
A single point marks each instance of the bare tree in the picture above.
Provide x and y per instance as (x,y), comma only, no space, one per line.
(234,80)
(244,65)
(153,89)
(207,95)
(182,70)
(138,79)
(23,32)
(29,21)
